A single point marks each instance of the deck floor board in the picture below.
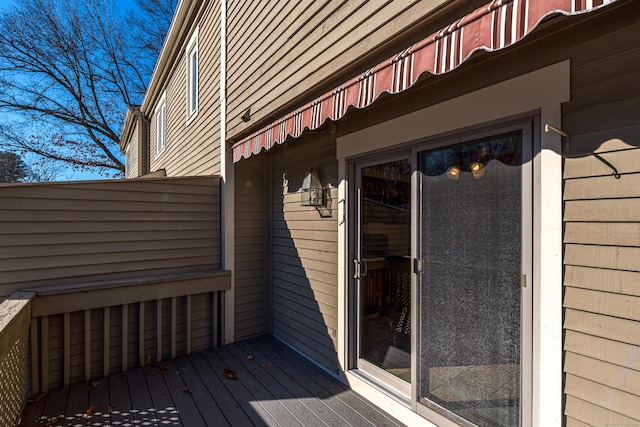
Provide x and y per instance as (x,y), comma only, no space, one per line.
(144,412)
(274,387)
(77,405)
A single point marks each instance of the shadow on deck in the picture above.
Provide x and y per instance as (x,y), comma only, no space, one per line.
(274,387)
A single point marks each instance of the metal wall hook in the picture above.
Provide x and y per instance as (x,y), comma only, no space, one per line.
(549,127)
(615,171)
(557,130)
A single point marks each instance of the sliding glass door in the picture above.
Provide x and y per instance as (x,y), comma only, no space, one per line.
(473,232)
(382,272)
(442,259)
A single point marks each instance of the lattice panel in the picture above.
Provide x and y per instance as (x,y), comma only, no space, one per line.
(13,382)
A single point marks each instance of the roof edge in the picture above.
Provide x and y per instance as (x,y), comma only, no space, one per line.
(185,11)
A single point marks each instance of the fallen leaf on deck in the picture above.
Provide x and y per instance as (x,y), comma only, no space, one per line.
(266,365)
(111,408)
(90,410)
(249,357)
(188,390)
(37,398)
(53,420)
(230,374)
(95,384)
(161,370)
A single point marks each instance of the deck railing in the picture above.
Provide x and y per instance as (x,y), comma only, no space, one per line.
(15,317)
(70,334)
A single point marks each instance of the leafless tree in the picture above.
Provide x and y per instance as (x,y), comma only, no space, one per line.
(43,170)
(68,71)
(151,25)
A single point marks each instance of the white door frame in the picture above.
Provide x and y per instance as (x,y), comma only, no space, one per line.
(538,93)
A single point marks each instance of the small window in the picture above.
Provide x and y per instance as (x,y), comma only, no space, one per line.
(161,120)
(192,77)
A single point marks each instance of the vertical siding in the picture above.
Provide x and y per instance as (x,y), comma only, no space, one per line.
(304,249)
(602,228)
(291,48)
(202,319)
(250,248)
(193,148)
(78,232)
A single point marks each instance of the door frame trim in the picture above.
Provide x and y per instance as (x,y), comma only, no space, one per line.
(546,89)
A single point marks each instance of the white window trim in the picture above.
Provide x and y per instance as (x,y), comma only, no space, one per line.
(546,89)
(127,161)
(192,49)
(161,128)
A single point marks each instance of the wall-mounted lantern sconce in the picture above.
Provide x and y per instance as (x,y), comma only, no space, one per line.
(312,191)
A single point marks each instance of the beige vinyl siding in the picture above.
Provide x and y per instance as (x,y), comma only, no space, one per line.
(285,52)
(79,232)
(602,228)
(132,154)
(602,299)
(304,245)
(193,148)
(250,248)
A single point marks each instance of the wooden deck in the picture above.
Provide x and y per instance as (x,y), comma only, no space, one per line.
(274,387)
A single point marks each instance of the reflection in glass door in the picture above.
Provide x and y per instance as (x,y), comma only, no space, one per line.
(470,290)
(382,268)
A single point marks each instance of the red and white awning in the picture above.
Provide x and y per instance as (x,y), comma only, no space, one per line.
(492,27)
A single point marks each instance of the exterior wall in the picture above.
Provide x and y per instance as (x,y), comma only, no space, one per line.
(602,299)
(292,50)
(304,269)
(132,164)
(192,148)
(601,239)
(251,297)
(81,232)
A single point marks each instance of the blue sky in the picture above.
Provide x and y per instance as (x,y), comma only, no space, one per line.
(123,5)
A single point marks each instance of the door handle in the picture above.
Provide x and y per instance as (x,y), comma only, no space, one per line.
(360,268)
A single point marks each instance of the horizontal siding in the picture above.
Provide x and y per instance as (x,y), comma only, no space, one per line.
(250,248)
(193,148)
(304,268)
(601,297)
(79,232)
(314,46)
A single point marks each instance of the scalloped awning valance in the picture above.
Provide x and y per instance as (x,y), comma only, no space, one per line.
(492,27)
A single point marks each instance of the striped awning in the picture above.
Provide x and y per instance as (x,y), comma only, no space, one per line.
(492,27)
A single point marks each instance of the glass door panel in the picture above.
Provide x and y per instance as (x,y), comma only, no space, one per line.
(383,267)
(469,308)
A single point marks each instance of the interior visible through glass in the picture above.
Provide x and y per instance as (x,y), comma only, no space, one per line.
(385,286)
(469,354)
